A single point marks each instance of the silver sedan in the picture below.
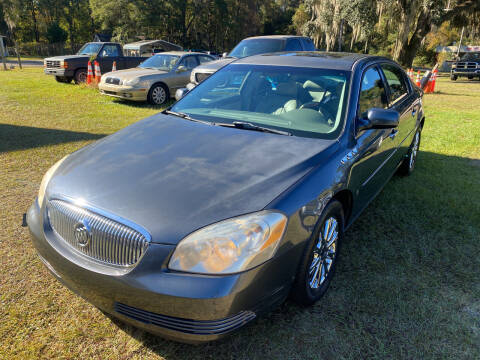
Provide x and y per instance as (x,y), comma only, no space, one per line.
(156,79)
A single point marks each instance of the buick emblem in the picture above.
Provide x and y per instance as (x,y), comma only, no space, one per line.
(83,233)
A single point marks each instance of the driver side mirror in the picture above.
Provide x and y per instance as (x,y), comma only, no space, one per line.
(379,119)
(181,69)
(224,55)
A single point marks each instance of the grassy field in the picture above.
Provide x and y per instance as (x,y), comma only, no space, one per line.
(407,286)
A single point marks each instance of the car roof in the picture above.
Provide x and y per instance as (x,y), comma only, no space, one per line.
(181,53)
(312,59)
(275,37)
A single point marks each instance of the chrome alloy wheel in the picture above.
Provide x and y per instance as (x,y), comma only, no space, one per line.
(324,253)
(413,152)
(159,95)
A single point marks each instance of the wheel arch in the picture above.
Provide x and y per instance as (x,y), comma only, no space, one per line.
(345,197)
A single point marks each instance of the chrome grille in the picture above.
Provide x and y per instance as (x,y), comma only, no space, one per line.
(109,241)
(466,65)
(201,76)
(53,63)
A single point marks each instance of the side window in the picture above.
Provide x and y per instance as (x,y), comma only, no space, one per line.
(372,93)
(189,62)
(293,45)
(204,59)
(308,44)
(109,51)
(396,82)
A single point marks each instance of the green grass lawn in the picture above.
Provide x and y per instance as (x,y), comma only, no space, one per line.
(407,286)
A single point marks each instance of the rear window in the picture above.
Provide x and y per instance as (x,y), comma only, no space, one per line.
(251,47)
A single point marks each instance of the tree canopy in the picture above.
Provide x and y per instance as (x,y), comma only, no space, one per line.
(398,28)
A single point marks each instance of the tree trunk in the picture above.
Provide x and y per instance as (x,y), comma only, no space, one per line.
(424,25)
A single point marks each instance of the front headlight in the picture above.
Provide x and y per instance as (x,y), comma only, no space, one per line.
(232,245)
(136,82)
(46,178)
(454,66)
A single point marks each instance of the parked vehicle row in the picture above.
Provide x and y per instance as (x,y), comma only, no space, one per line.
(156,79)
(193,222)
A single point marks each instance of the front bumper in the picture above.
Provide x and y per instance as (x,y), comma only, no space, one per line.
(123,92)
(58,72)
(178,306)
(466,72)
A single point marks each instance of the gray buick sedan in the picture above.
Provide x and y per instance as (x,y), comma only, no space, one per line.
(193,222)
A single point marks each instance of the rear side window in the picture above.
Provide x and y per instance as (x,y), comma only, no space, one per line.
(293,45)
(372,93)
(308,44)
(396,82)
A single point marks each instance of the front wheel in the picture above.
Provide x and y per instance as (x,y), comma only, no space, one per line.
(408,164)
(318,265)
(158,94)
(80,76)
(453,77)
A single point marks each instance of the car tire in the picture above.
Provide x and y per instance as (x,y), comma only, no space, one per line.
(315,272)
(453,77)
(158,94)
(408,164)
(470,77)
(80,76)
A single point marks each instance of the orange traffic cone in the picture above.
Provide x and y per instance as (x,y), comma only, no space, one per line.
(417,80)
(434,75)
(89,73)
(114,66)
(98,74)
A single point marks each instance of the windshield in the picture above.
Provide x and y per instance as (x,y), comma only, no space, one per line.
(302,101)
(251,47)
(471,56)
(89,49)
(160,62)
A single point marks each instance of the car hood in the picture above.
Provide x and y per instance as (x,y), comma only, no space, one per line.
(173,176)
(69,57)
(129,74)
(214,65)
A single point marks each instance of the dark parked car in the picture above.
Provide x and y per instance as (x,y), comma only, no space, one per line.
(253,46)
(74,67)
(467,66)
(191,223)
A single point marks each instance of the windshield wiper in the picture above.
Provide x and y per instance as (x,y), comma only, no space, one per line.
(185,116)
(249,126)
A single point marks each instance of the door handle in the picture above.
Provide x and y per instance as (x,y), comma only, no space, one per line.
(393,134)
(414,111)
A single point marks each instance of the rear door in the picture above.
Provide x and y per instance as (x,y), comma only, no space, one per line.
(374,149)
(401,99)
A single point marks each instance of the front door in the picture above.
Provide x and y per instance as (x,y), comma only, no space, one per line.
(401,100)
(374,149)
(183,71)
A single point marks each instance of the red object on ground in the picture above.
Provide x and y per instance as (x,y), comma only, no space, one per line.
(89,73)
(98,74)
(114,66)
(417,81)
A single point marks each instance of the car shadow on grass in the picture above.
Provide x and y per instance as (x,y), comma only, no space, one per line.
(17,137)
(406,273)
(143,105)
